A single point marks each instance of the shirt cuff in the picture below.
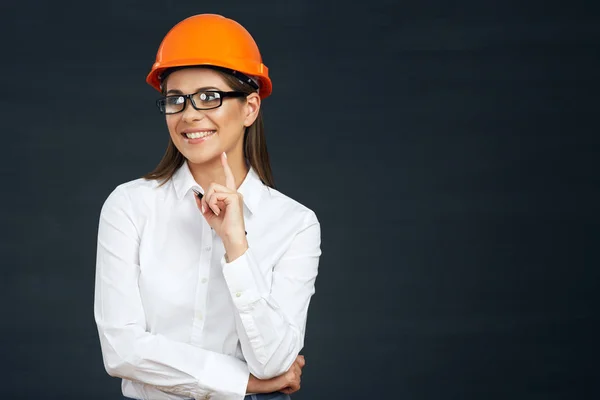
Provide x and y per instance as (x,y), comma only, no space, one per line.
(229,380)
(244,280)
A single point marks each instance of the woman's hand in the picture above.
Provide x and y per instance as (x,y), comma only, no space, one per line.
(223,209)
(293,376)
(287,383)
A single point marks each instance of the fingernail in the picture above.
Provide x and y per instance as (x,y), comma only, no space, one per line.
(202,207)
(225,154)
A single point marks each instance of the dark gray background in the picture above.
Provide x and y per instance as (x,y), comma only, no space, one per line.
(449,150)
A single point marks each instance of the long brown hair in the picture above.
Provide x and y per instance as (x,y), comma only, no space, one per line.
(255,145)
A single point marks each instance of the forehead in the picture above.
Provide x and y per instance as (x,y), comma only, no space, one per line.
(188,80)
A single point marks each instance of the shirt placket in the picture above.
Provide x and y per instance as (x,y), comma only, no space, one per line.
(206,249)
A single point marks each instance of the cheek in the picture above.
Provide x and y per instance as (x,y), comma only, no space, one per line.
(230,118)
(172,123)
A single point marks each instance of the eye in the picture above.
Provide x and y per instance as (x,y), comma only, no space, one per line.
(209,96)
(174,100)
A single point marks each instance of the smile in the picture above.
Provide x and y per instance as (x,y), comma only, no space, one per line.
(198,135)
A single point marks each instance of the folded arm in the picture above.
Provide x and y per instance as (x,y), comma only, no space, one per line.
(271,319)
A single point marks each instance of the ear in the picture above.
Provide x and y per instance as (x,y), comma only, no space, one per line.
(251,109)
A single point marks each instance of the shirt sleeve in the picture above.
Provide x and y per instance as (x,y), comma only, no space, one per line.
(271,319)
(128,350)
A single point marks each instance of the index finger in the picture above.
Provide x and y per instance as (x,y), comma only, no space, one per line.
(229,179)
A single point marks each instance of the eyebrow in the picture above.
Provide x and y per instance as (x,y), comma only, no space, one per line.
(177,91)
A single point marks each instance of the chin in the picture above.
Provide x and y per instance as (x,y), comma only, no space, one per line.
(199,156)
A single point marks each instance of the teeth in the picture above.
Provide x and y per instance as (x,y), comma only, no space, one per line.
(198,135)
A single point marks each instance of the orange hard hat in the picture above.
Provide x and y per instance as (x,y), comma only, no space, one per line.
(211,40)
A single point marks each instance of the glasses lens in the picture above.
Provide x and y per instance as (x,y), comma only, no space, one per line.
(207,100)
(172,104)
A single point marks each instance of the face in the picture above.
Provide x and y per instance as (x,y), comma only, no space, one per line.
(202,135)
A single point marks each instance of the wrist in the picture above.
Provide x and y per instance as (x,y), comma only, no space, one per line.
(237,235)
(252,384)
(234,249)
(256,385)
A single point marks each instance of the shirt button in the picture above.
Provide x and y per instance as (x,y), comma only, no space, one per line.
(204,280)
(238,294)
(207,248)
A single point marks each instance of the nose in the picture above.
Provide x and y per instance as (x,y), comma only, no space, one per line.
(190,114)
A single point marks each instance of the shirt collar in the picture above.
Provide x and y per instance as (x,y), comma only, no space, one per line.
(251,187)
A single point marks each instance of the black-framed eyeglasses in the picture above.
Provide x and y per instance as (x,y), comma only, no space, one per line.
(202,100)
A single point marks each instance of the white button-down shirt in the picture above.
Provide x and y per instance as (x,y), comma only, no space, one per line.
(176,320)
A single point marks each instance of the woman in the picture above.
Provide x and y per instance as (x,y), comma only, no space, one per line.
(204,270)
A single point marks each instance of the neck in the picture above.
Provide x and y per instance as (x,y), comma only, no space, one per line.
(212,171)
